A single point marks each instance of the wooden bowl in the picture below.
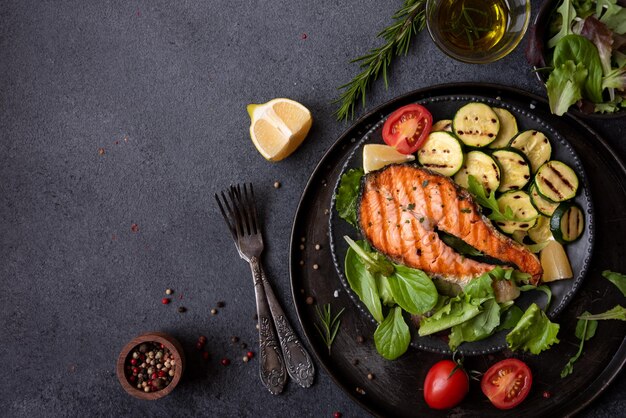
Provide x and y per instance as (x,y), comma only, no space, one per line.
(168,342)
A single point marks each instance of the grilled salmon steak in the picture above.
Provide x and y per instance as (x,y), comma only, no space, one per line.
(401,208)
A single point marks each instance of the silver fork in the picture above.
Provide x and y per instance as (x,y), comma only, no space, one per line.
(242,219)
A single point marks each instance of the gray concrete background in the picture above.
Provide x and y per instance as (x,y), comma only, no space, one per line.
(162,86)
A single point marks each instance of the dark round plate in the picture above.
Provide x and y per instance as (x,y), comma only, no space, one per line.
(397,388)
(444,107)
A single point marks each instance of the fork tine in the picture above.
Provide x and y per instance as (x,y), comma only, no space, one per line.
(228,221)
(254,219)
(236,213)
(243,210)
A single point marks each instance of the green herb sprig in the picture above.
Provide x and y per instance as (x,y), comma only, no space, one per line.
(329,325)
(409,20)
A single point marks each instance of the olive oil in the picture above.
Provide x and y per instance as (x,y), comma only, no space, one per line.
(471,26)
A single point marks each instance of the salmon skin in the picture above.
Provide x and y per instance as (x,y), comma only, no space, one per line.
(402,206)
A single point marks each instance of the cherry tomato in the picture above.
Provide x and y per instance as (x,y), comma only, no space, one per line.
(407,128)
(507,383)
(444,389)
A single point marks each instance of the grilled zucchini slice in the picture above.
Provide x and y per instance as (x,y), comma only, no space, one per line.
(543,205)
(567,223)
(556,181)
(442,125)
(535,145)
(481,166)
(441,153)
(476,124)
(541,231)
(519,202)
(514,168)
(508,128)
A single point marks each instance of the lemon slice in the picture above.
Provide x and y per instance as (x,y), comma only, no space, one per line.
(278,127)
(376,156)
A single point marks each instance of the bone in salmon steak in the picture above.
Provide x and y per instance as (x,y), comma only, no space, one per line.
(400,208)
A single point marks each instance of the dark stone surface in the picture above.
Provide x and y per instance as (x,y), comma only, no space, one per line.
(161,87)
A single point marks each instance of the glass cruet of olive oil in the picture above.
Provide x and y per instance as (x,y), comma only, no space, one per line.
(477,31)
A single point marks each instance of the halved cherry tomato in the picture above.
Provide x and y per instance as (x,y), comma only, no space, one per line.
(507,383)
(407,128)
(446,385)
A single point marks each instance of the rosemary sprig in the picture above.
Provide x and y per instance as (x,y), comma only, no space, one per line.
(330,326)
(407,21)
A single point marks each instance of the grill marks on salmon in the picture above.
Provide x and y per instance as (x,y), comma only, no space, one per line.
(401,208)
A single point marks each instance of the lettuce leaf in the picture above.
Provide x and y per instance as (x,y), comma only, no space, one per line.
(580,50)
(479,327)
(348,195)
(568,14)
(564,86)
(392,337)
(534,332)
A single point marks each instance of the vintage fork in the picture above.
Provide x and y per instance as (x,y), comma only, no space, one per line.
(242,219)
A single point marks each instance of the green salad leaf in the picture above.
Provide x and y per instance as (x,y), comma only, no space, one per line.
(612,15)
(412,290)
(510,318)
(543,288)
(455,311)
(580,50)
(585,330)
(565,86)
(489,202)
(363,282)
(479,327)
(568,14)
(384,290)
(534,332)
(617,312)
(374,262)
(617,279)
(348,195)
(392,337)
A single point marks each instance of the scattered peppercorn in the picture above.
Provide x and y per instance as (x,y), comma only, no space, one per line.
(213,311)
(199,346)
(277,184)
(317,247)
(168,291)
(225,362)
(302,246)
(234,340)
(310,300)
(182,309)
(370,376)
(134,228)
(202,339)
(337,415)
(360,339)
(221,304)
(301,262)
(100,151)
(245,359)
(546,394)
(360,391)
(303,239)
(244,345)
(166,301)
(250,354)
(315,266)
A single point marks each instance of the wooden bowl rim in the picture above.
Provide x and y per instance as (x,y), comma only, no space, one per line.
(168,342)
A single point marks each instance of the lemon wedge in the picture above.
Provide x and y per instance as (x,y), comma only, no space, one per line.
(278,127)
(376,156)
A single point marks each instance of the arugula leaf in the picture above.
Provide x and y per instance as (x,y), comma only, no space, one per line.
(392,337)
(479,327)
(412,290)
(565,85)
(534,332)
(585,330)
(348,195)
(617,312)
(567,12)
(480,287)
(617,279)
(363,282)
(489,202)
(580,50)
(510,318)
(456,311)
(543,288)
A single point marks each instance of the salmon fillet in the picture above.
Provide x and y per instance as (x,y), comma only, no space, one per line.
(402,206)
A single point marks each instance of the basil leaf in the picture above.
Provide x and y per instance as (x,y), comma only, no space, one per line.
(580,50)
(618,312)
(534,332)
(392,337)
(477,328)
(348,195)
(363,282)
(617,279)
(412,290)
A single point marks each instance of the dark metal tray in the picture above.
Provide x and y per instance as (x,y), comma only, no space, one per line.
(397,388)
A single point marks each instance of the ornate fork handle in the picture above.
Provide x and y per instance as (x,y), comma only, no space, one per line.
(272,366)
(299,364)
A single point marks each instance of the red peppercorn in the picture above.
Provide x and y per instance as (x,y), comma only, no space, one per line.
(154,376)
(337,415)
(165,301)
(202,339)
(225,362)
(250,354)
(200,345)
(132,378)
(205,355)
(162,346)
(162,373)
(546,394)
(135,370)
(133,361)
